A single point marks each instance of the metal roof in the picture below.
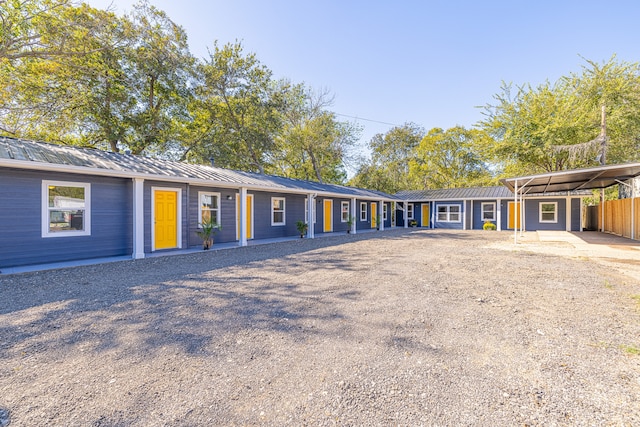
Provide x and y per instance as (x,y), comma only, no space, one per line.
(27,154)
(574,180)
(496,192)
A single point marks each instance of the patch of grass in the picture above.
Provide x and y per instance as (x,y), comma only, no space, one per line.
(631,349)
(636,297)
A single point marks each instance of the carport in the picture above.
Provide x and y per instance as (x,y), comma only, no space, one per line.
(594,178)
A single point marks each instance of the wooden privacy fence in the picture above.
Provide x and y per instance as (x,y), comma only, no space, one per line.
(617,217)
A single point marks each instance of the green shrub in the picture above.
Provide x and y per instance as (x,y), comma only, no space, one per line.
(489,226)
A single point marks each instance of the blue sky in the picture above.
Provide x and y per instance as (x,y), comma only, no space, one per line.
(428,62)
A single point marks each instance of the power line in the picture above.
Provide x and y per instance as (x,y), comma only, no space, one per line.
(368,120)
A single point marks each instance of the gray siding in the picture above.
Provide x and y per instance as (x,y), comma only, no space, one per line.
(227,212)
(294,211)
(448,225)
(21,218)
(532,215)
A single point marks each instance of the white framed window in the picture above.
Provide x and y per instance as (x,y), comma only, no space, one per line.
(208,207)
(277,211)
(66,209)
(488,211)
(384,211)
(409,210)
(306,211)
(363,211)
(549,212)
(344,211)
(448,213)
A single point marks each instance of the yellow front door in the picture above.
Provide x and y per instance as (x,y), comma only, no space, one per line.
(425,215)
(374,214)
(166,219)
(328,216)
(249,223)
(514,215)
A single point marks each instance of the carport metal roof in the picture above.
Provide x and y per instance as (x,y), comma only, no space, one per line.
(573,180)
(599,177)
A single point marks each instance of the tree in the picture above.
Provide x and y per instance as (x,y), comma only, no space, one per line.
(556,126)
(450,159)
(236,94)
(388,168)
(313,144)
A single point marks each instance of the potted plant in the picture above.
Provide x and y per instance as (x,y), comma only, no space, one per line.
(488,225)
(413,223)
(302,227)
(350,222)
(207,229)
(378,219)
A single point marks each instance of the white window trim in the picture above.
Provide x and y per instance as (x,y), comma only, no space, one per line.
(384,211)
(482,205)
(555,212)
(86,216)
(207,193)
(342,211)
(284,211)
(410,211)
(306,211)
(448,212)
(363,212)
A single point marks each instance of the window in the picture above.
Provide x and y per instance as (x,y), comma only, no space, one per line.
(488,211)
(549,212)
(208,207)
(344,211)
(66,209)
(410,210)
(277,211)
(363,211)
(306,211)
(448,213)
(384,211)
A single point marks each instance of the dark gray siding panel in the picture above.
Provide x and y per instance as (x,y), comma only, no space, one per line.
(294,210)
(227,219)
(532,215)
(478,223)
(576,219)
(448,225)
(21,241)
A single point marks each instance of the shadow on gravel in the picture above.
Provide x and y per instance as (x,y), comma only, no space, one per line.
(189,301)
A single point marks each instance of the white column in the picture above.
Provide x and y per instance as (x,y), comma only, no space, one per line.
(471,227)
(381,214)
(243,217)
(499,214)
(311,200)
(352,214)
(515,214)
(633,210)
(464,214)
(568,212)
(405,204)
(138,218)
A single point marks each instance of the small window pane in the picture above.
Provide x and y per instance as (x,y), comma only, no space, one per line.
(278,217)
(66,197)
(65,220)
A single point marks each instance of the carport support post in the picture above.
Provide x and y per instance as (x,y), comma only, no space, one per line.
(515,214)
(311,200)
(243,217)
(602,209)
(138,218)
(633,210)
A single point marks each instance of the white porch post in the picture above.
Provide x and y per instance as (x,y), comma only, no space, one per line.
(567,213)
(138,218)
(499,214)
(405,212)
(633,210)
(464,214)
(243,217)
(471,226)
(381,214)
(352,214)
(311,200)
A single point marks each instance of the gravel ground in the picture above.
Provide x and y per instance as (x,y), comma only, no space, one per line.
(396,328)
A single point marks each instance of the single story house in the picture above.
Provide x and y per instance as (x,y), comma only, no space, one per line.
(63,203)
(470,208)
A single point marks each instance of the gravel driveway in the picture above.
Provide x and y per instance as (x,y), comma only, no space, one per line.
(395,328)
